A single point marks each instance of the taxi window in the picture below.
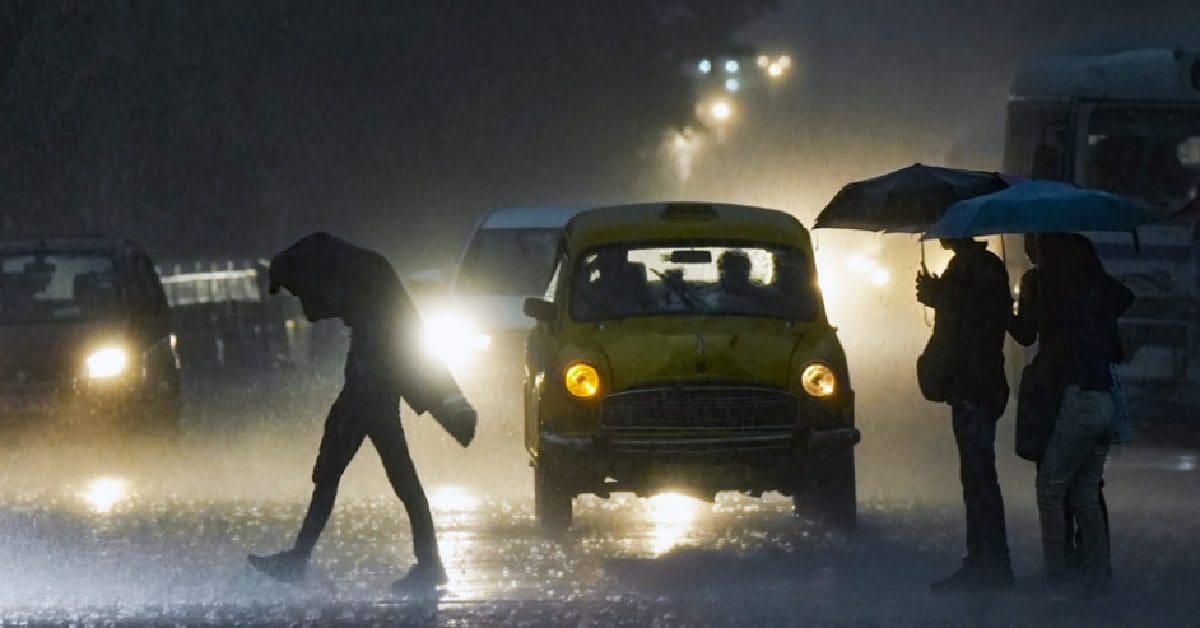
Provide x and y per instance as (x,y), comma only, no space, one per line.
(621,281)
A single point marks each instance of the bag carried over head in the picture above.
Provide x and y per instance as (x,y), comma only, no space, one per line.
(1038,398)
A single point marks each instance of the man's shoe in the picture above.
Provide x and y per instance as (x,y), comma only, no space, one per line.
(421,578)
(286,566)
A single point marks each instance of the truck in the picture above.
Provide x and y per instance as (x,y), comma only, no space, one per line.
(1129,122)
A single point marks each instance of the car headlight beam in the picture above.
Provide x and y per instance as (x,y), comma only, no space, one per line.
(582,380)
(818,381)
(107,362)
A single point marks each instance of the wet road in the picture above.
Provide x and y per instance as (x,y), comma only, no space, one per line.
(152,531)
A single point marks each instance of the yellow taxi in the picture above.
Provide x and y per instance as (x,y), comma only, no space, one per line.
(684,347)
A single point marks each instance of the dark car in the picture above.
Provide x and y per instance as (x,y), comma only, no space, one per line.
(85,336)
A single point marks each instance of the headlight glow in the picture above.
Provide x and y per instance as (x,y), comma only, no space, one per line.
(582,380)
(453,338)
(107,362)
(818,381)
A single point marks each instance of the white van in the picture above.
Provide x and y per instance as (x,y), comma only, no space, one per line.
(508,257)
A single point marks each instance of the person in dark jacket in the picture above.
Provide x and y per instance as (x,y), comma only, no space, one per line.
(335,279)
(972,307)
(1070,305)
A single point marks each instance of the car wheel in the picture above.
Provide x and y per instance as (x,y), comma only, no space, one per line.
(827,490)
(551,496)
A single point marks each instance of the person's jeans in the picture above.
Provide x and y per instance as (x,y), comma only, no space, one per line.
(1070,472)
(975,434)
(353,418)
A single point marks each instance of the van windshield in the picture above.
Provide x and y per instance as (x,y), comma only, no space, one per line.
(620,281)
(508,262)
(51,287)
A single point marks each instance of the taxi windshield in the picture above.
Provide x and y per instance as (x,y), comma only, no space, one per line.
(52,287)
(619,281)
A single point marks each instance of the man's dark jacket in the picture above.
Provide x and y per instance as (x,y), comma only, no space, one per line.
(973,307)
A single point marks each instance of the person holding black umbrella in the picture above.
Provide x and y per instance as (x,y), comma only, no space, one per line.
(963,365)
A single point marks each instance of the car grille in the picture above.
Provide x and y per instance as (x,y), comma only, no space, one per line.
(699,409)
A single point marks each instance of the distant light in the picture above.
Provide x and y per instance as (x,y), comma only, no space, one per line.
(732,66)
(762,61)
(784,62)
(705,66)
(732,85)
(775,70)
(721,110)
(103,493)
(880,277)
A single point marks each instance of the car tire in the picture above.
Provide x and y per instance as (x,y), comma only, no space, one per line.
(552,497)
(827,490)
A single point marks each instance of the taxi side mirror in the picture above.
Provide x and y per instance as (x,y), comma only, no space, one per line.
(540,309)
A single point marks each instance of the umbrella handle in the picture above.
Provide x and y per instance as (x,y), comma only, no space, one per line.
(924,310)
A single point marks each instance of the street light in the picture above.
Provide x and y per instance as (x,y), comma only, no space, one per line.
(720,109)
(732,85)
(681,148)
(705,66)
(732,66)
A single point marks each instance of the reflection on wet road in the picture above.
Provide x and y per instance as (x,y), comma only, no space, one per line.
(150,531)
(108,547)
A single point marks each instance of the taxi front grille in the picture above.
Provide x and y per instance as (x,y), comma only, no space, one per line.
(699,409)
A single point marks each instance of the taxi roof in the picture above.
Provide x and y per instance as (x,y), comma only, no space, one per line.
(667,221)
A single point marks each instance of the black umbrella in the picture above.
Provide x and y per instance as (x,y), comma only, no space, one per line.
(907,200)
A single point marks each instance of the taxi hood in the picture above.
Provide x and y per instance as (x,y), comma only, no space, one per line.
(662,350)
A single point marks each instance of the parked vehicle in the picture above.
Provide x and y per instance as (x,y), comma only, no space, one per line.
(85,335)
(1129,123)
(685,347)
(223,321)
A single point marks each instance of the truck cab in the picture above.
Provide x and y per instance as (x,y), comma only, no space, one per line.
(1129,123)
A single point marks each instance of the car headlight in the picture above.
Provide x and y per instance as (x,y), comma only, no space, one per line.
(582,380)
(453,338)
(818,381)
(107,362)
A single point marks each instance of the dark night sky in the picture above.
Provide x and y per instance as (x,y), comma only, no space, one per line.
(229,128)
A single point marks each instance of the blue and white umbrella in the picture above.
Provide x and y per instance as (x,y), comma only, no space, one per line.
(1041,207)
